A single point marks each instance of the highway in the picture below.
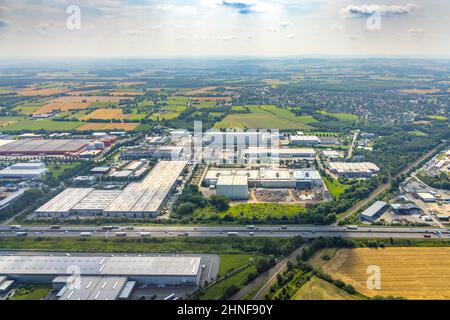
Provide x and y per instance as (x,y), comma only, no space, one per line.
(223,231)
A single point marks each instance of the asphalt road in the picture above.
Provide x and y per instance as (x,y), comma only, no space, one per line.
(223,231)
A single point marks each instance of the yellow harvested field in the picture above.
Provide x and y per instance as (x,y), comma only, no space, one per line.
(6,122)
(32,91)
(211,99)
(126,93)
(420,91)
(274,81)
(199,91)
(409,272)
(105,114)
(73,103)
(108,126)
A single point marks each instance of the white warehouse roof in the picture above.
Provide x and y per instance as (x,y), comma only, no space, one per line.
(101,265)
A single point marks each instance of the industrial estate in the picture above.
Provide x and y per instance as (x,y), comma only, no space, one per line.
(227,178)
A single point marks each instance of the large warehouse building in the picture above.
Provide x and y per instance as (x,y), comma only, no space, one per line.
(61,147)
(168,270)
(240,139)
(303,140)
(100,277)
(268,178)
(353,169)
(373,212)
(140,199)
(284,154)
(27,170)
(232,186)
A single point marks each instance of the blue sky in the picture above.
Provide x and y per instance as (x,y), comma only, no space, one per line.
(146,28)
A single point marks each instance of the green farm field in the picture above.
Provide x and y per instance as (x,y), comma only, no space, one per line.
(266,116)
(37,125)
(341,116)
(318,289)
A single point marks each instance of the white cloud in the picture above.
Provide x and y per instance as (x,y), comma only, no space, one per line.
(416,32)
(337,27)
(285,24)
(355,11)
(47,27)
(180,10)
(133,32)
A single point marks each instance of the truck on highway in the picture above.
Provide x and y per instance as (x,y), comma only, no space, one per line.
(121,234)
(129,228)
(21,234)
(85,234)
(144,234)
(352,227)
(233,234)
(251,227)
(107,228)
(15,227)
(55,227)
(183,234)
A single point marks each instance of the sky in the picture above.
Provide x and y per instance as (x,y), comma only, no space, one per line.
(221,28)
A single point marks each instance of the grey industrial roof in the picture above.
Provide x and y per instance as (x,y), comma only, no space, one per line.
(97,200)
(148,195)
(100,265)
(93,288)
(374,209)
(41,145)
(65,201)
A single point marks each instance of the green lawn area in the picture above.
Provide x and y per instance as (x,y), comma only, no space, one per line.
(58,169)
(230,262)
(176,244)
(136,115)
(203,104)
(238,108)
(29,107)
(342,116)
(335,187)
(216,291)
(100,104)
(36,125)
(266,117)
(173,108)
(253,211)
(318,289)
(31,292)
(417,133)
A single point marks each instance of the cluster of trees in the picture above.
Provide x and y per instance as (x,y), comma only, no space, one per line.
(191,199)
(28,198)
(441,181)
